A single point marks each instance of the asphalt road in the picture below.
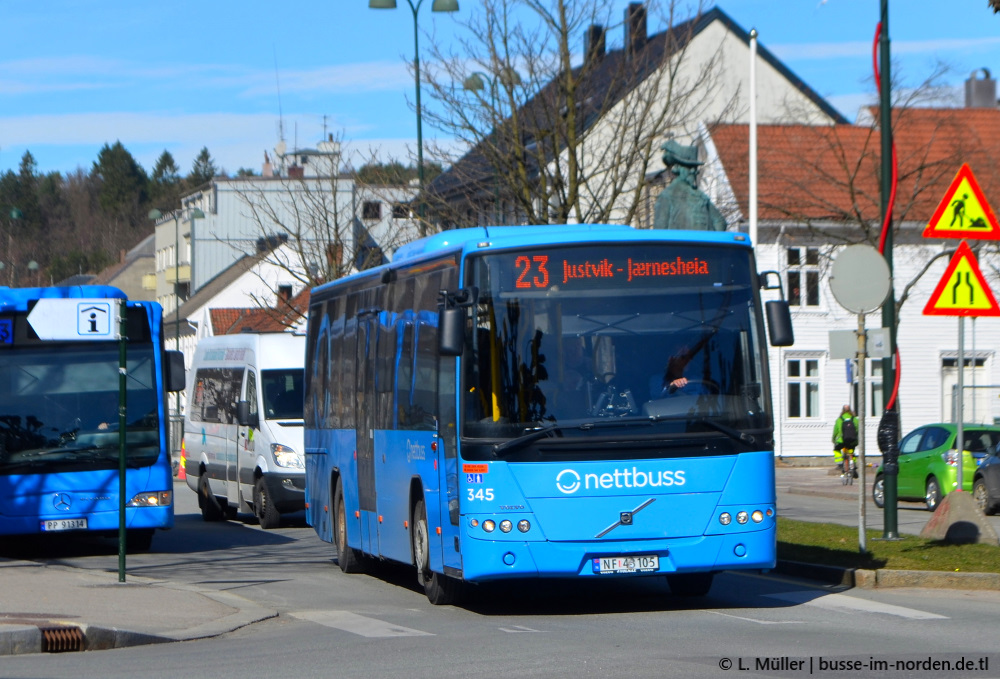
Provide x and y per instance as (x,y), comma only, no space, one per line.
(337,625)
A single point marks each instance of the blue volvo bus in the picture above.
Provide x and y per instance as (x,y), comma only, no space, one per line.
(59,419)
(583,401)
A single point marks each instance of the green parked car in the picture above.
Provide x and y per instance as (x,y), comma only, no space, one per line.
(928,462)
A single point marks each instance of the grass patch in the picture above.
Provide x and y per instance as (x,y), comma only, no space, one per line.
(835,545)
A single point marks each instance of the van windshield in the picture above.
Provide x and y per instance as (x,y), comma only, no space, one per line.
(282,393)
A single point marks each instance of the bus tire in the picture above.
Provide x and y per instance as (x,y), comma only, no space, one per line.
(348,558)
(211,510)
(267,516)
(139,539)
(440,589)
(690,584)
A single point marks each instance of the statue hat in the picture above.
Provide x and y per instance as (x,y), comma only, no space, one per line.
(676,154)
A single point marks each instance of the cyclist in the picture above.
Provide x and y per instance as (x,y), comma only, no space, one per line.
(845,439)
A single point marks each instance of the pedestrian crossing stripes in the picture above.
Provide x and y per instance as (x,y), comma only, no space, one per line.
(358,624)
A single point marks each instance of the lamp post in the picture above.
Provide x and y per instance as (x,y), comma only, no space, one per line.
(33,268)
(437,6)
(15,215)
(474,83)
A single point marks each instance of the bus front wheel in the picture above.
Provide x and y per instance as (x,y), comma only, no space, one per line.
(690,584)
(440,589)
(348,558)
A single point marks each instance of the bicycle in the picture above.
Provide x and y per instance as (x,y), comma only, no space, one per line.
(850,471)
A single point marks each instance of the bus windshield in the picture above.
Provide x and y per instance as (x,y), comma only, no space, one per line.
(59,408)
(588,341)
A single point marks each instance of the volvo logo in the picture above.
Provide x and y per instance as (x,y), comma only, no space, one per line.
(62,501)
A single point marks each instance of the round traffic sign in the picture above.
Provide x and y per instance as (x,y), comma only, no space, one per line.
(860,279)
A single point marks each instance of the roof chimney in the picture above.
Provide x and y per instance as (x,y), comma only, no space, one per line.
(593,44)
(635,28)
(980,93)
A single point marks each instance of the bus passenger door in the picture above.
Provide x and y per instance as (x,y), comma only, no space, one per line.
(367,334)
(246,452)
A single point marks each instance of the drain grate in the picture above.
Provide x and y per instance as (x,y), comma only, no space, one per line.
(61,638)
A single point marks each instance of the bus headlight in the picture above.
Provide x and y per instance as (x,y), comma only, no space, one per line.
(286,457)
(489,525)
(725,518)
(523,525)
(741,518)
(757,516)
(505,526)
(160,498)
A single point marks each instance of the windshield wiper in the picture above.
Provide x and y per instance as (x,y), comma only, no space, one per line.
(735,434)
(542,431)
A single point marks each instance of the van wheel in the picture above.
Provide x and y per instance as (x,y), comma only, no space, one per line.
(440,589)
(263,507)
(211,510)
(348,558)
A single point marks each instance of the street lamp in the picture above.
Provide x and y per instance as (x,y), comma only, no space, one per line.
(193,214)
(438,6)
(15,215)
(33,268)
(509,78)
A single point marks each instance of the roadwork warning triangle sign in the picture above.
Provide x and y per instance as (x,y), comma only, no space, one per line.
(964,212)
(962,291)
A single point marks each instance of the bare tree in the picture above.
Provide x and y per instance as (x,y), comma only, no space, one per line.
(550,141)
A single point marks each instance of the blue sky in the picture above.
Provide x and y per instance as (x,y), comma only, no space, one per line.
(180,75)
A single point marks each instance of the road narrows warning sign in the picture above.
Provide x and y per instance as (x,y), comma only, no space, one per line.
(962,290)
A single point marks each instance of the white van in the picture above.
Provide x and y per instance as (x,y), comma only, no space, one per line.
(243,426)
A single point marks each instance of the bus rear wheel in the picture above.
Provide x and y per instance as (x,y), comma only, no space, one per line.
(690,584)
(440,589)
(348,558)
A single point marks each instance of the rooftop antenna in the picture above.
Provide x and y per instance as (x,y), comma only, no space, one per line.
(324,126)
(277,84)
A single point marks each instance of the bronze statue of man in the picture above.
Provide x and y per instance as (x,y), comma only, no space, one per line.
(681,205)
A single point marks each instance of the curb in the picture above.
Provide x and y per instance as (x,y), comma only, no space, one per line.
(20,639)
(884,578)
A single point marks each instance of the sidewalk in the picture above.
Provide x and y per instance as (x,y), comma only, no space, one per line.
(48,608)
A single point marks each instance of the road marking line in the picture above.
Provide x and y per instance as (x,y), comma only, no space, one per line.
(518,629)
(358,624)
(760,622)
(842,602)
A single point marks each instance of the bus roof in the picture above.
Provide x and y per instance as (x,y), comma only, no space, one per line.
(17,299)
(481,238)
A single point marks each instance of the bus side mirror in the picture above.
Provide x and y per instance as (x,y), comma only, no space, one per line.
(243,416)
(451,331)
(779,323)
(175,371)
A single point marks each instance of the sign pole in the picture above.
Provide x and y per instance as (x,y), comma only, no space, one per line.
(860,458)
(959,409)
(122,372)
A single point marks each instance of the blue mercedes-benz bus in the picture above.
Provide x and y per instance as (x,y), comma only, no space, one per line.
(563,401)
(59,416)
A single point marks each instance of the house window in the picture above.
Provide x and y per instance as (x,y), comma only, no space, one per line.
(874,388)
(371,210)
(803,387)
(803,277)
(400,210)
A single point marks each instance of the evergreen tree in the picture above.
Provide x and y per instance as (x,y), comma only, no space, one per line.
(203,169)
(165,183)
(123,191)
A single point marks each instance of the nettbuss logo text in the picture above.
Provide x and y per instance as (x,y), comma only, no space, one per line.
(569,481)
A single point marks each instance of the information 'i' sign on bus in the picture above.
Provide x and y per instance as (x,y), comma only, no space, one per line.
(963,212)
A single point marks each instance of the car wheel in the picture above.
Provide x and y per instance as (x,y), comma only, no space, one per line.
(982,497)
(878,491)
(932,495)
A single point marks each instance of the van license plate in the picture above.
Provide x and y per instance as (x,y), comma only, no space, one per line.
(627,564)
(64,524)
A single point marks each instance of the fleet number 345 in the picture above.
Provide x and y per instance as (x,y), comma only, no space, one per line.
(480,493)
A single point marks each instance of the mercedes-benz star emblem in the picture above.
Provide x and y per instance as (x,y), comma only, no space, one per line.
(62,501)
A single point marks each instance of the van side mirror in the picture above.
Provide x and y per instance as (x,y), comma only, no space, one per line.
(779,316)
(174,366)
(451,331)
(243,416)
